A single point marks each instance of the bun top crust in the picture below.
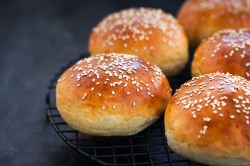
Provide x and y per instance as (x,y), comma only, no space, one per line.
(227,51)
(139,29)
(114,83)
(229,6)
(210,16)
(211,113)
(138,24)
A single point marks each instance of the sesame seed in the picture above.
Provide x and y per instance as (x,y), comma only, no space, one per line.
(206,119)
(187,106)
(84,96)
(232,116)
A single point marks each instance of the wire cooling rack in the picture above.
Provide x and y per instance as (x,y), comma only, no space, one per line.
(148,147)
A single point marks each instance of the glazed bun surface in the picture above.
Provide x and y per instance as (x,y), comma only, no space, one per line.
(225,51)
(202,18)
(150,34)
(207,120)
(112,95)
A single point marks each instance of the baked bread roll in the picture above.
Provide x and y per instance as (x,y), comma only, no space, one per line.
(202,18)
(207,120)
(148,33)
(112,95)
(225,51)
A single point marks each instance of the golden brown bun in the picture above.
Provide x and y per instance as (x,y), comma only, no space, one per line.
(202,18)
(225,51)
(148,33)
(112,95)
(207,120)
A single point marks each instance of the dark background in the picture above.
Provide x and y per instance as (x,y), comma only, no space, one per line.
(36,39)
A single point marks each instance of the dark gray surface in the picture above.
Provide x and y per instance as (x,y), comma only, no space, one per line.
(36,39)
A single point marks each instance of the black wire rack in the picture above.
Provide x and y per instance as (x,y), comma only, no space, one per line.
(148,147)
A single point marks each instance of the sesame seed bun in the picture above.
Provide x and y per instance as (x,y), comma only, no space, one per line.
(150,34)
(207,120)
(112,95)
(225,51)
(202,18)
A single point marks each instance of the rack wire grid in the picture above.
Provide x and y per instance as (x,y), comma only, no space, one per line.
(148,147)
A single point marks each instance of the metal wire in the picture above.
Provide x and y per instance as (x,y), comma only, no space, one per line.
(148,147)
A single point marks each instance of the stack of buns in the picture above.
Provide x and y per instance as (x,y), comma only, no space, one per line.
(117,92)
